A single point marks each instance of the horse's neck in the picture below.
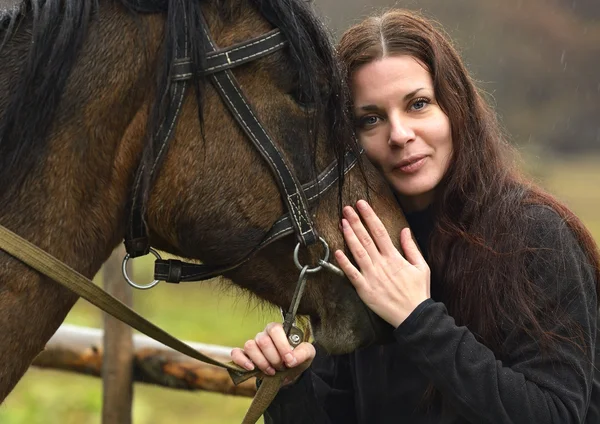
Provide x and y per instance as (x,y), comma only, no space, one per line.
(73,202)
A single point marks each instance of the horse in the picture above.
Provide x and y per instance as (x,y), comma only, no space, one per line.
(85,91)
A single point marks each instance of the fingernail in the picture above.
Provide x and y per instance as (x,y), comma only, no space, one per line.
(345,224)
(271,371)
(289,359)
(249,366)
(361,204)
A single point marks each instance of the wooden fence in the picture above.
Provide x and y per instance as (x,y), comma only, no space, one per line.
(121,358)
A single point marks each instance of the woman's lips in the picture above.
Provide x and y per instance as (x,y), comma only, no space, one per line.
(412,166)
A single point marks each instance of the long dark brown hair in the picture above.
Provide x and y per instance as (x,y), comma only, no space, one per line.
(479,246)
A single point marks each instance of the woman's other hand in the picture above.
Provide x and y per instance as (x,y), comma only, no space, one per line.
(389,284)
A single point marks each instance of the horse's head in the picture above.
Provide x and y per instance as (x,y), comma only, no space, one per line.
(208,194)
(216,198)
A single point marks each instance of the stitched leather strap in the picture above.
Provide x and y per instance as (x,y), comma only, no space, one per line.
(137,242)
(233,56)
(244,114)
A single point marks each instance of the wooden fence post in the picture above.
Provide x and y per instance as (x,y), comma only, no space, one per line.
(117,367)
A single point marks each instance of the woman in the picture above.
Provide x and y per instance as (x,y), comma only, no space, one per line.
(496,316)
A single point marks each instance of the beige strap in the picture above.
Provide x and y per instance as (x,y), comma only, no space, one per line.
(264,396)
(51,267)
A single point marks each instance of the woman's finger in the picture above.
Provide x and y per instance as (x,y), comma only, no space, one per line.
(239,357)
(411,250)
(380,235)
(360,254)
(268,349)
(360,231)
(304,354)
(254,353)
(275,331)
(349,269)
(303,357)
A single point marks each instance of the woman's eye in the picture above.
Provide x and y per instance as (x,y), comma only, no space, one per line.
(419,104)
(368,121)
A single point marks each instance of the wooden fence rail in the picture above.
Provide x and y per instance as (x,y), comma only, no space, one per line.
(80,350)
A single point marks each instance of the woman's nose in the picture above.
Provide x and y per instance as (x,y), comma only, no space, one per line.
(400,132)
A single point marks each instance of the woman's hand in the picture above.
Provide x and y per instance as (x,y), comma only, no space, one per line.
(390,285)
(270,351)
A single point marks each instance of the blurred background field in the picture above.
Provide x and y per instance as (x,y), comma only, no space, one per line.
(537,60)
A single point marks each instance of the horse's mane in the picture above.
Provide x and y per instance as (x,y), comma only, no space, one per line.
(58,30)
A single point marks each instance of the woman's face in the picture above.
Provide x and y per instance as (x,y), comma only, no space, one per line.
(402,128)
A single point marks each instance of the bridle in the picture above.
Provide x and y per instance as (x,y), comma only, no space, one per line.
(296,197)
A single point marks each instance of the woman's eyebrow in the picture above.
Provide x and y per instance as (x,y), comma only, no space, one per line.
(372,108)
(412,93)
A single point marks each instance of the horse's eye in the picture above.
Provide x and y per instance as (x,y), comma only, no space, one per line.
(302,98)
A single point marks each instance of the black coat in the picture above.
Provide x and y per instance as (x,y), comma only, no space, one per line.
(386,383)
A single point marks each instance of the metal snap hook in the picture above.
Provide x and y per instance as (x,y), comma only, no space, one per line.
(130,281)
(318,267)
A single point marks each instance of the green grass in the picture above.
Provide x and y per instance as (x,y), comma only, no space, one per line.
(204,312)
(577,183)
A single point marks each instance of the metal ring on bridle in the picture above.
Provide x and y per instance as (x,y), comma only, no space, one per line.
(318,267)
(130,281)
